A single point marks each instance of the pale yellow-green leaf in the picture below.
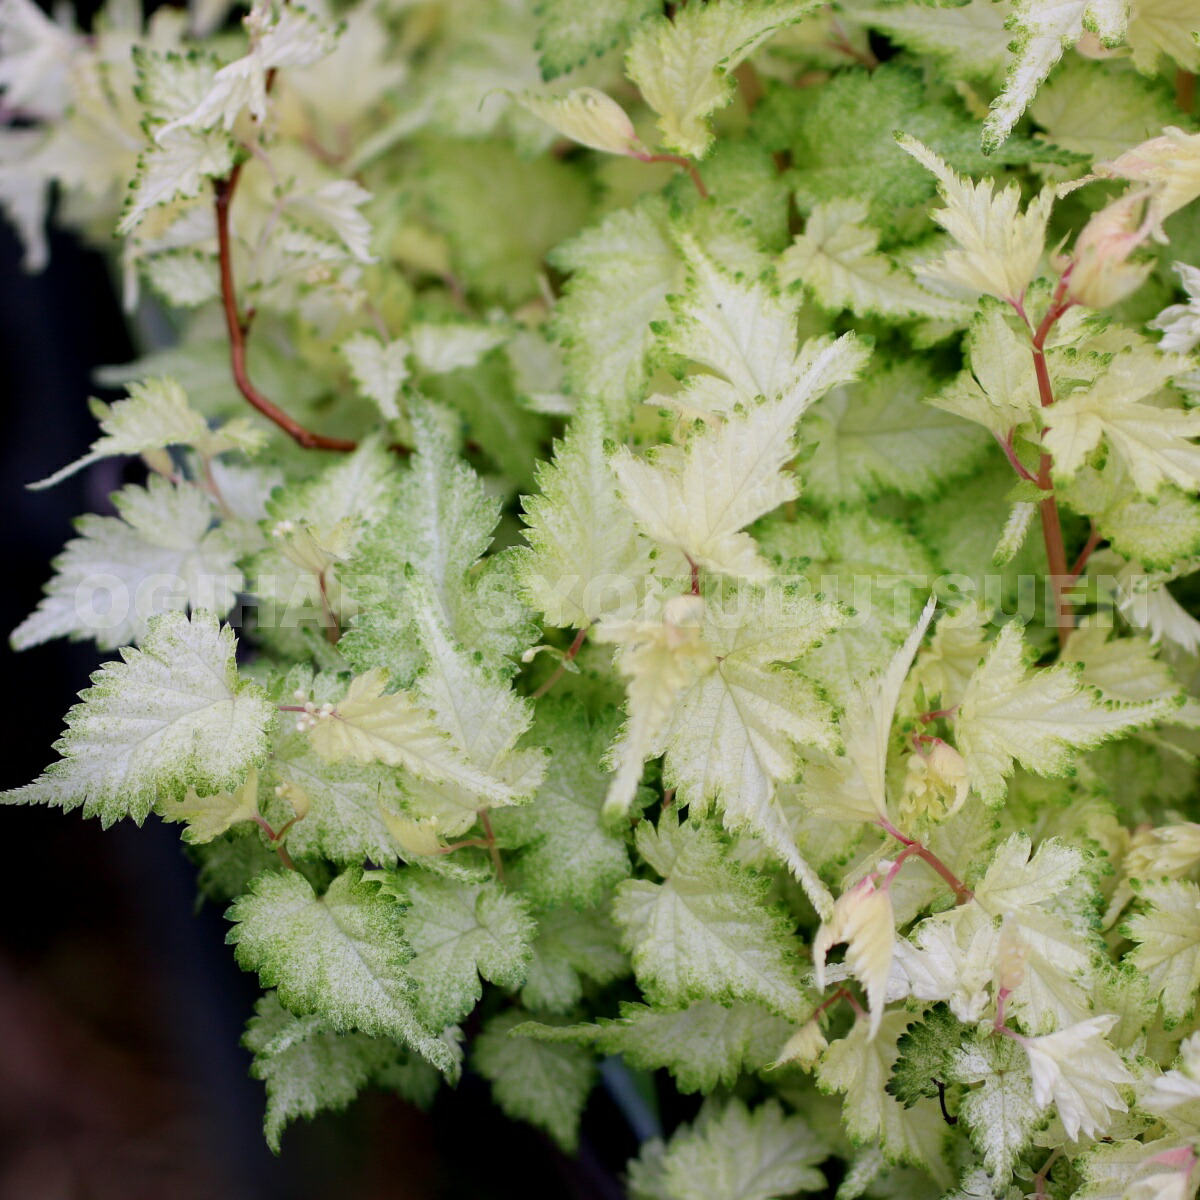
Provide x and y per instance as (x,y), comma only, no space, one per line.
(838,260)
(483,716)
(733,732)
(1089,108)
(281,36)
(171,716)
(731,1153)
(659,657)
(369,726)
(1034,902)
(999,245)
(1174,1097)
(970,37)
(1079,1072)
(156,415)
(944,668)
(684,66)
(1170,162)
(862,918)
(439,347)
(1150,439)
(585,558)
(1044,29)
(208,817)
(1170,27)
(699,497)
(705,932)
(1038,718)
(1125,669)
(853,785)
(743,331)
(588,116)
(378,369)
(1167,930)
(999,390)
(860,1065)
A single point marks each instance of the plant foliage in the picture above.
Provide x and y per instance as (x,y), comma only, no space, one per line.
(714,486)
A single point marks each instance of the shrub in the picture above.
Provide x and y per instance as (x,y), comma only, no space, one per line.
(638,497)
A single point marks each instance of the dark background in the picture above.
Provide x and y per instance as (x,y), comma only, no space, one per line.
(121,1009)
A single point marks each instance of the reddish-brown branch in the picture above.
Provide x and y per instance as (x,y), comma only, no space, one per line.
(558,671)
(936,714)
(224,190)
(1185,91)
(1056,554)
(843,993)
(1006,444)
(1094,539)
(489,833)
(333,629)
(1039,1180)
(962,893)
(679,161)
(481,842)
(279,847)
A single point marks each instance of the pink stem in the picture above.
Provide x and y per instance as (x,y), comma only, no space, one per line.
(962,893)
(1094,539)
(557,673)
(1006,444)
(679,161)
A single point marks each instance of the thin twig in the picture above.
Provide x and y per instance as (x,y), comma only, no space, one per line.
(225,189)
(962,893)
(213,488)
(1039,1180)
(843,993)
(333,628)
(842,44)
(277,846)
(1094,540)
(941,1087)
(1006,444)
(481,842)
(486,821)
(1001,1000)
(1056,554)
(679,161)
(937,714)
(558,671)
